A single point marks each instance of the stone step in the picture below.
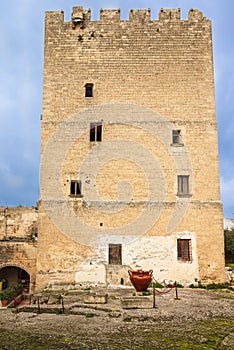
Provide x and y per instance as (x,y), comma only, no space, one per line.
(136,302)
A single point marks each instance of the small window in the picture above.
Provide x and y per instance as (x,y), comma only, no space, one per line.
(75,188)
(176,137)
(184,252)
(183,185)
(115,254)
(89,90)
(95,132)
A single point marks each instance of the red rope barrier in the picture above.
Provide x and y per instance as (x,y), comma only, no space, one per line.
(170,287)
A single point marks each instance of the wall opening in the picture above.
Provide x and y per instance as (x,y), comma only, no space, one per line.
(88,90)
(95,132)
(75,188)
(12,275)
(183,185)
(176,137)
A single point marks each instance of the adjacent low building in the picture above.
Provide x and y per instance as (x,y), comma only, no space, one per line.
(18,246)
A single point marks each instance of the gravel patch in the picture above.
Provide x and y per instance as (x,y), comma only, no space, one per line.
(200,319)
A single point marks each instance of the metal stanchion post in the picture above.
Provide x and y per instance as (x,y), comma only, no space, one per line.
(62,305)
(176,297)
(38,306)
(154,306)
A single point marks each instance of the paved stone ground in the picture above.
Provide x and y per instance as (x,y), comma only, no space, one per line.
(200,319)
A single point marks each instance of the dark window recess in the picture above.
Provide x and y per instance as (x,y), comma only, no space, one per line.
(184,251)
(88,90)
(78,22)
(75,188)
(95,132)
(176,136)
(115,254)
(183,185)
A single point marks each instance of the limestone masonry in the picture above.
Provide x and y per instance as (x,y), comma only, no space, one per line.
(129,151)
(18,246)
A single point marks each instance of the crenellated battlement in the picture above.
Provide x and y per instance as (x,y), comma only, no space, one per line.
(80,18)
(139,16)
(171,15)
(195,15)
(112,16)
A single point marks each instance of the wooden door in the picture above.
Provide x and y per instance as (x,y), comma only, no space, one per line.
(115,254)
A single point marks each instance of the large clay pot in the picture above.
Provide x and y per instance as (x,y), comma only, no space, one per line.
(140,279)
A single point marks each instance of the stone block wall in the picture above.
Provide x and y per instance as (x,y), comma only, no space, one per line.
(149,77)
(18,240)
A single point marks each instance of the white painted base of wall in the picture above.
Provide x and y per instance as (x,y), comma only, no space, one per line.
(95,273)
(158,253)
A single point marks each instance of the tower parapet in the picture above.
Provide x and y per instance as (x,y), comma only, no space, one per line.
(140,16)
(112,16)
(195,16)
(81,18)
(169,15)
(54,17)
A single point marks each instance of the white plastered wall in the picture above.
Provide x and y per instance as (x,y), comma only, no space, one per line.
(158,253)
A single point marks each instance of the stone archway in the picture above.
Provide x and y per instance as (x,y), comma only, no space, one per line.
(10,275)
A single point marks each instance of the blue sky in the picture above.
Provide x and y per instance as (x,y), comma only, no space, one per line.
(21,77)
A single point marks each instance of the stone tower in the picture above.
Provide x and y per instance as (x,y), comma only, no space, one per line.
(129,152)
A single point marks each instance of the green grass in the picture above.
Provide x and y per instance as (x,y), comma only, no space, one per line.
(230,265)
(210,334)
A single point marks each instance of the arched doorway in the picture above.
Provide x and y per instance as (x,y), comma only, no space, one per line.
(12,275)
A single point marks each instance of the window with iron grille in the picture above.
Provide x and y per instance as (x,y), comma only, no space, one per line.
(184,251)
(88,90)
(183,185)
(75,188)
(176,137)
(95,132)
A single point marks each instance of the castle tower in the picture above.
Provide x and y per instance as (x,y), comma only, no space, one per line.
(129,152)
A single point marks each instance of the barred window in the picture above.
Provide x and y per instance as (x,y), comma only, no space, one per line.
(184,251)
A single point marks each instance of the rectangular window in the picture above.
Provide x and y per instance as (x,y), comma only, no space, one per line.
(183,185)
(75,188)
(176,137)
(115,254)
(88,90)
(184,252)
(95,132)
